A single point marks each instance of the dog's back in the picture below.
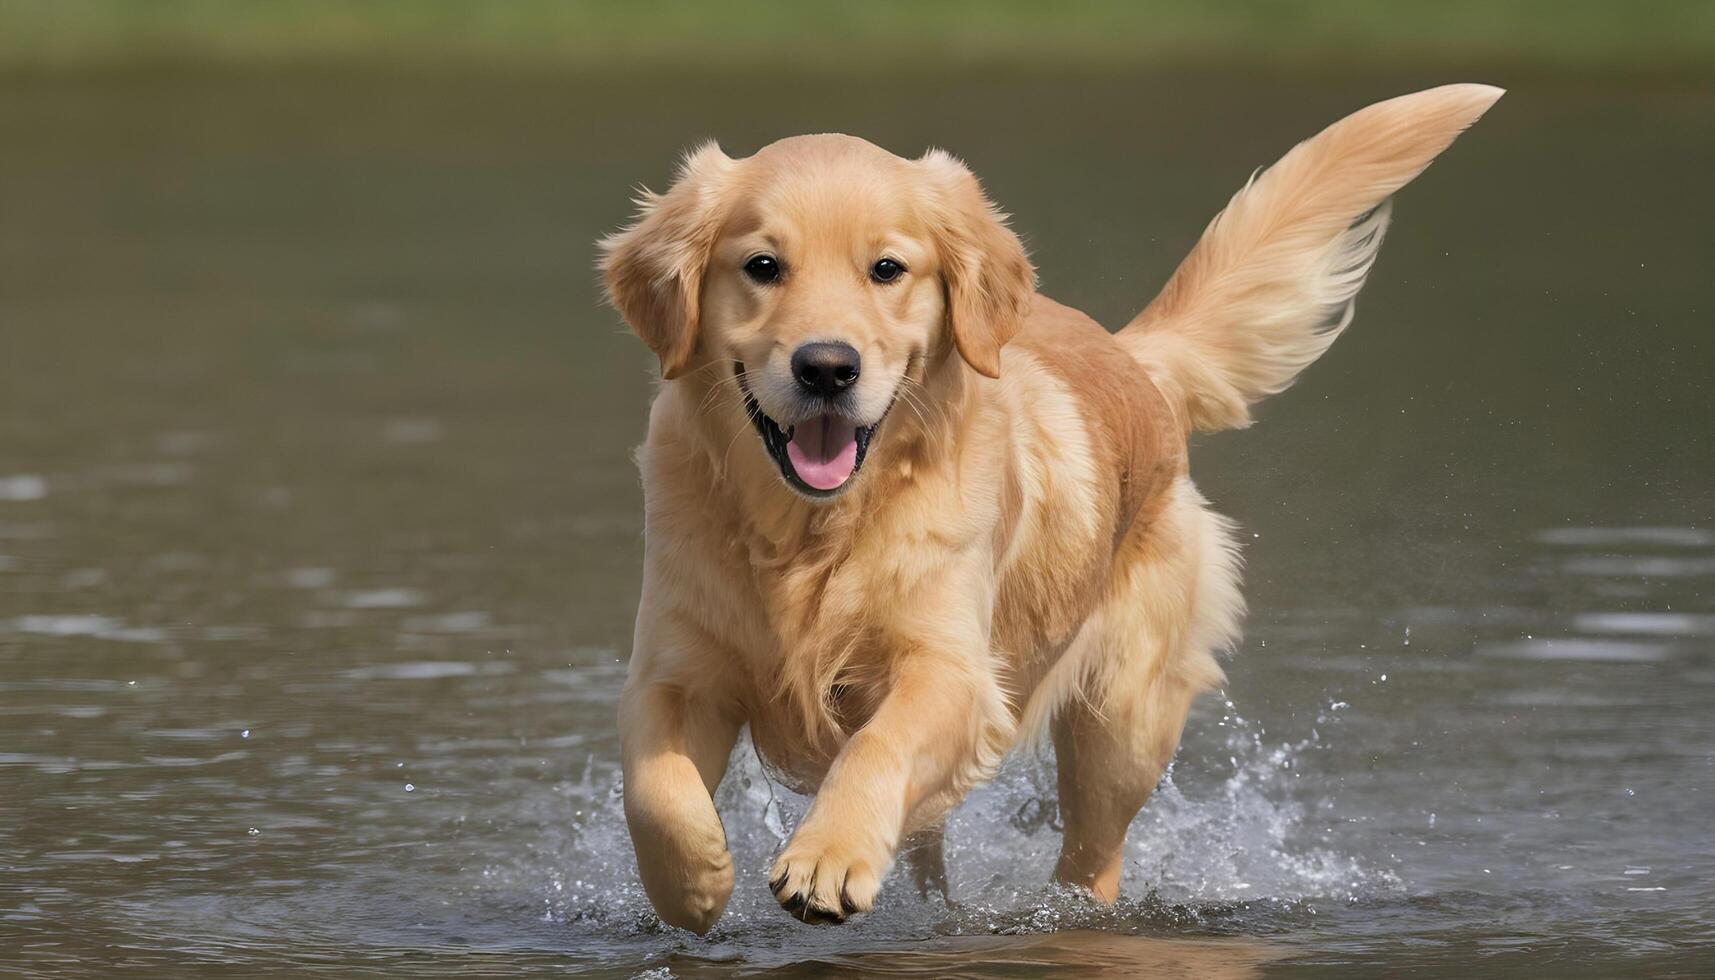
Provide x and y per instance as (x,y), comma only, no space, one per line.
(1267,289)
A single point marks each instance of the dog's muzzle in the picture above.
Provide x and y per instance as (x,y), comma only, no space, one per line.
(817,456)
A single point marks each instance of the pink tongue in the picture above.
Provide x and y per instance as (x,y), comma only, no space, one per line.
(823,451)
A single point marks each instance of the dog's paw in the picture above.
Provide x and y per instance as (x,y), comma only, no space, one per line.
(822,883)
(682,856)
(697,896)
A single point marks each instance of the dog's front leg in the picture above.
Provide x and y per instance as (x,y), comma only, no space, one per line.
(674,747)
(917,753)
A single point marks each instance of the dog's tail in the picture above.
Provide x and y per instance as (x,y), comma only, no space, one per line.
(1271,282)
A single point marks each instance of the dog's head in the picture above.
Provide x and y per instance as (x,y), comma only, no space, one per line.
(820,276)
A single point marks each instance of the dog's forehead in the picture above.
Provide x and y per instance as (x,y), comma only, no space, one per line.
(835,184)
(832,150)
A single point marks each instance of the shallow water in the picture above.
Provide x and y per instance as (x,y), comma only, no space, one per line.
(319,541)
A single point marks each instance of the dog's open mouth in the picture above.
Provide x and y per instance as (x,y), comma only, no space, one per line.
(819,455)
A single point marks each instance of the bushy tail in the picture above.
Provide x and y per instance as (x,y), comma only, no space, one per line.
(1270,284)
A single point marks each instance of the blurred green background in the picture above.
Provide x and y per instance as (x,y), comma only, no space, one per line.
(1653,35)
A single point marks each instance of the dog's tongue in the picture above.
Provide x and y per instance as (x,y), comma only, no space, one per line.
(823,451)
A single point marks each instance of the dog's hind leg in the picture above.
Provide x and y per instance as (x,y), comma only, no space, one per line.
(1140,661)
(1108,764)
(926,854)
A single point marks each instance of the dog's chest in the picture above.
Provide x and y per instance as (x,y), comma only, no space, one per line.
(816,651)
(800,756)
(819,614)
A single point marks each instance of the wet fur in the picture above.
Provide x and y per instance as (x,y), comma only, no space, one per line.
(1023,554)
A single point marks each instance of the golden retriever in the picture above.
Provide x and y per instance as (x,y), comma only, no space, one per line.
(903,513)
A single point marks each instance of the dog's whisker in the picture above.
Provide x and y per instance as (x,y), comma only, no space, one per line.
(911,403)
(715,391)
(727,453)
(706,367)
(918,405)
(725,393)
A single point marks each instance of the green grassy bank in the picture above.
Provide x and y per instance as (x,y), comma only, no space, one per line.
(1575,34)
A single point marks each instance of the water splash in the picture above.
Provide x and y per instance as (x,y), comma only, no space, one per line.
(1235,837)
(1233,831)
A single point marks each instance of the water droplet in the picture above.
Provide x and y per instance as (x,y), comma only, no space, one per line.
(410,788)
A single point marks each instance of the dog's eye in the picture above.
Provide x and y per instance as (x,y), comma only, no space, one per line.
(763,269)
(886,270)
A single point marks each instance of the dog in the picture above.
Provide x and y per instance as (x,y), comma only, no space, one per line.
(903,513)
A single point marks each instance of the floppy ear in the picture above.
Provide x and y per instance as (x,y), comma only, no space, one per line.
(653,270)
(989,279)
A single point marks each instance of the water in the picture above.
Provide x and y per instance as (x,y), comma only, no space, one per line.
(319,541)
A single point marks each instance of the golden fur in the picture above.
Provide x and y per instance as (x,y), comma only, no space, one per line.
(1023,553)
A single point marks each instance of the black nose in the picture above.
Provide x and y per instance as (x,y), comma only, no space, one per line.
(825,369)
